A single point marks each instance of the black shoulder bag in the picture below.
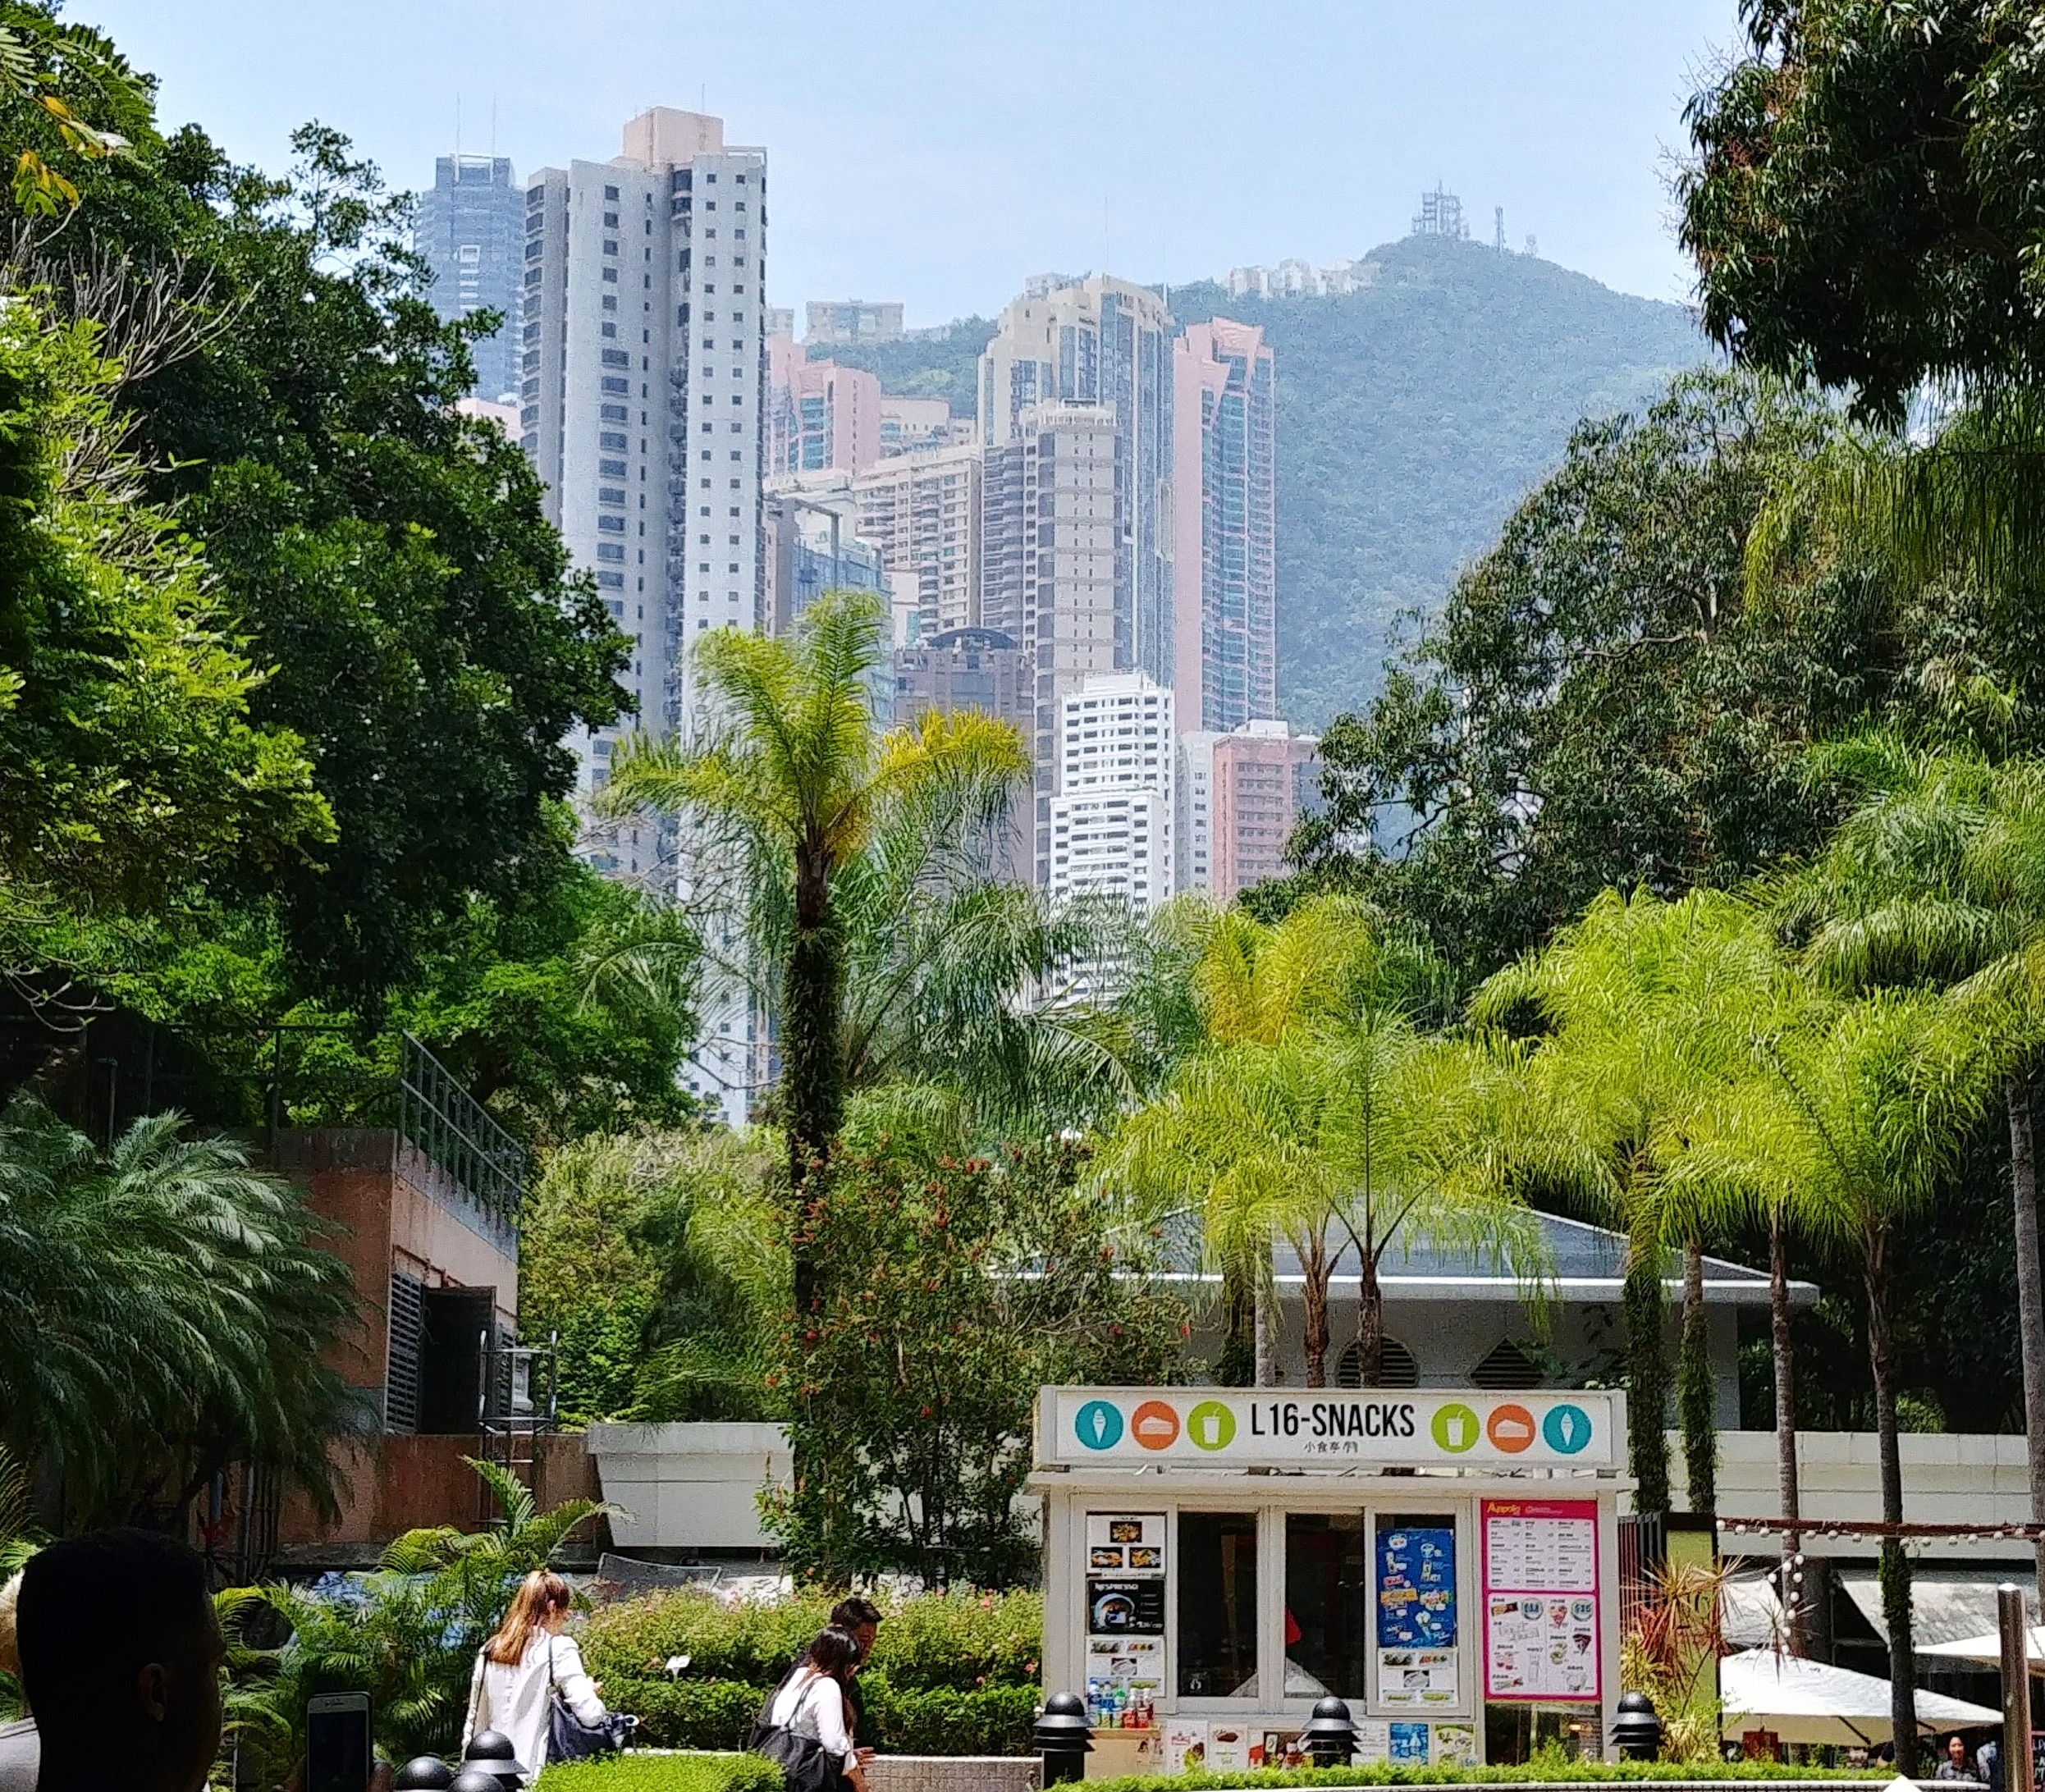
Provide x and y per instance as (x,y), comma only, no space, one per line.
(805,1765)
(568,1737)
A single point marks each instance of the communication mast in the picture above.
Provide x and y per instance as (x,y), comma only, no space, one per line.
(1440,215)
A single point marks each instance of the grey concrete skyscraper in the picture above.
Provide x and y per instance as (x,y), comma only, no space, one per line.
(642,388)
(469,227)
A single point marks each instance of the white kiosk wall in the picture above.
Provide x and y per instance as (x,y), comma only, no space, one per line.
(1444,1560)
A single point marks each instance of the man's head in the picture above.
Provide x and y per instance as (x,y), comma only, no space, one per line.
(860,1616)
(120,1659)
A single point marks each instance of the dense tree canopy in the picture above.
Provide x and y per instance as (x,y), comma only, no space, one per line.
(1865,204)
(1601,703)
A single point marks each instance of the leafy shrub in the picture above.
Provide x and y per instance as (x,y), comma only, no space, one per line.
(959,1641)
(666,1773)
(989,1721)
(687,1713)
(952,1673)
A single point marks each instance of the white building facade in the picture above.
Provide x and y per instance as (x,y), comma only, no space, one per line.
(641,397)
(1112,822)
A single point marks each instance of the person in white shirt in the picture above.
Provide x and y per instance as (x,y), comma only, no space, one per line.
(811,1700)
(516,1668)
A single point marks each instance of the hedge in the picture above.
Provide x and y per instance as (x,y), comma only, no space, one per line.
(666,1773)
(959,1640)
(952,1674)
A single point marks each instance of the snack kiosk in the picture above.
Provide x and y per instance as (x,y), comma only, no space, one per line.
(1218,1558)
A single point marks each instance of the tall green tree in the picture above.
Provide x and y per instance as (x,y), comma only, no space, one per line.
(1937,880)
(967,1283)
(1863,201)
(791,783)
(131,766)
(1602,702)
(1635,1016)
(1864,1110)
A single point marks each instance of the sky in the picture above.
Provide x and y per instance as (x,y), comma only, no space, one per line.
(938,152)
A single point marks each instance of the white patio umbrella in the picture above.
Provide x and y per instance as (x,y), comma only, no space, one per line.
(1987,1649)
(1803,1701)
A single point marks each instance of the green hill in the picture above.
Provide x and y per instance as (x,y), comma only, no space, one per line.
(1412,417)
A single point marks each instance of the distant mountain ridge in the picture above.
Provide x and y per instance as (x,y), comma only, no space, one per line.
(1412,416)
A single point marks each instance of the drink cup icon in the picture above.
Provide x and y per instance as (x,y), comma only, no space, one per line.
(1457,1437)
(1209,1429)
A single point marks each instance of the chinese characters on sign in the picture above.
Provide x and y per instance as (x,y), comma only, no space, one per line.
(1540,1599)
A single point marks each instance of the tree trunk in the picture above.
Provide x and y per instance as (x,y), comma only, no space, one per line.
(1696,1398)
(1266,1327)
(1313,1260)
(1370,1325)
(812,1078)
(2030,1299)
(1236,1366)
(1895,1564)
(813,1099)
(1647,1375)
(1785,1422)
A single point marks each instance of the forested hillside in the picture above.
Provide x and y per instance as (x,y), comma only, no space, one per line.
(1412,416)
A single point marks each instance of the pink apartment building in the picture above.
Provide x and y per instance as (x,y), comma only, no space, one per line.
(1257,781)
(819,414)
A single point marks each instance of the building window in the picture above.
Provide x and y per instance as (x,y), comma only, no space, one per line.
(611,274)
(611,193)
(1217,1605)
(609,551)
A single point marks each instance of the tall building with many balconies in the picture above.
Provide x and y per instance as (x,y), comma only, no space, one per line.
(921,510)
(1106,343)
(819,415)
(469,227)
(1240,795)
(1052,535)
(1112,822)
(1225,563)
(643,376)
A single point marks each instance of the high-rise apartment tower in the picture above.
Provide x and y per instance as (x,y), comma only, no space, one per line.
(469,227)
(1225,566)
(641,397)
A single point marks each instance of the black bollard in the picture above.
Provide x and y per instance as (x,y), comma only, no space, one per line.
(422,1773)
(1636,1732)
(1064,1738)
(1330,1737)
(475,1777)
(489,1750)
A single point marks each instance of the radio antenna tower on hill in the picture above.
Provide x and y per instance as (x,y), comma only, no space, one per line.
(1498,232)
(1440,215)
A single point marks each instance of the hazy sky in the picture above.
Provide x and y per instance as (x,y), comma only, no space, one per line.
(938,151)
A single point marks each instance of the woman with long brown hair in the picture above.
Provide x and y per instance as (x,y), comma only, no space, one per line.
(516,1668)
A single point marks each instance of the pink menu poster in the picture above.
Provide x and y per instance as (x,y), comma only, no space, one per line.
(1541,1609)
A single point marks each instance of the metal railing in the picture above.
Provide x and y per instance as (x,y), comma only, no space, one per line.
(454,1131)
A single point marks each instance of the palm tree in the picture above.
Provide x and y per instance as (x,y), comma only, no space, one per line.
(1245,983)
(1314,1110)
(1638,1016)
(1937,880)
(1863,1110)
(790,785)
(164,1313)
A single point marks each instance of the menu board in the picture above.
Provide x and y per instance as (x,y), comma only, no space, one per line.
(1541,1613)
(1125,1602)
(1416,1615)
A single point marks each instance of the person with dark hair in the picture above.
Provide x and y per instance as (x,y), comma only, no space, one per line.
(811,1703)
(121,1659)
(862,1618)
